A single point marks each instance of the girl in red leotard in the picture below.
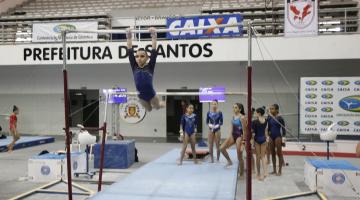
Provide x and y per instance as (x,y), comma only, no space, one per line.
(13,128)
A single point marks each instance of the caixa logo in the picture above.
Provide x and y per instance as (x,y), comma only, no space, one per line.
(310,96)
(63,27)
(310,109)
(311,82)
(327,96)
(343,123)
(338,178)
(343,82)
(326,123)
(327,109)
(310,122)
(327,82)
(45,170)
(357,123)
(350,103)
(198,21)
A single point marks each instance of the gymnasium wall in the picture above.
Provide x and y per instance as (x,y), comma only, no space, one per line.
(37,90)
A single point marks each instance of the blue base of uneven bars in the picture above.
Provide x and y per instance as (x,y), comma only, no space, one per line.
(117,154)
(25,141)
(163,179)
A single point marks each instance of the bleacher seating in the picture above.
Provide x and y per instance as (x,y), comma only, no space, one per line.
(16,24)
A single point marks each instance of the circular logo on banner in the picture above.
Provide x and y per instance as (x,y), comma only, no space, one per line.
(338,178)
(310,122)
(310,96)
(132,111)
(327,109)
(357,123)
(350,103)
(45,170)
(327,96)
(75,165)
(344,82)
(63,27)
(326,123)
(311,82)
(310,109)
(343,123)
(300,14)
(327,82)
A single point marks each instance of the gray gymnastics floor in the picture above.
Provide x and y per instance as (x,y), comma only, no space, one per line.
(163,179)
(14,166)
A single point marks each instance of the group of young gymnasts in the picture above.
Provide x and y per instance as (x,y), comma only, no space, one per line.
(267,136)
(268,132)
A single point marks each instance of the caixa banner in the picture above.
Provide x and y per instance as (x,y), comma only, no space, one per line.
(330,104)
(51,32)
(191,22)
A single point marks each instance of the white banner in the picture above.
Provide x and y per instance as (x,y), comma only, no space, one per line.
(51,32)
(116,52)
(330,102)
(301,18)
(178,51)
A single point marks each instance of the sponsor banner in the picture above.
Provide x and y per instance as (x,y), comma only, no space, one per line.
(51,32)
(191,22)
(209,94)
(113,52)
(301,17)
(117,95)
(180,51)
(330,104)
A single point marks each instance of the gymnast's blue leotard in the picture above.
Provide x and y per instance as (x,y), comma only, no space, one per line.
(214,118)
(143,77)
(188,124)
(259,130)
(276,126)
(237,128)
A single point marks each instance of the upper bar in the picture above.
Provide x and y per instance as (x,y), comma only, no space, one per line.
(180,93)
(157,30)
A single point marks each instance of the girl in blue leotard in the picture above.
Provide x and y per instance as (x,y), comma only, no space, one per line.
(276,127)
(260,130)
(237,136)
(188,127)
(214,119)
(143,72)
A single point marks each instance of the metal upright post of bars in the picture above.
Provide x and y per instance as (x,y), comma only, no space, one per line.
(67,110)
(102,148)
(327,149)
(249,117)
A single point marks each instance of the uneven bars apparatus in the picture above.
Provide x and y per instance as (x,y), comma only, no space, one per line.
(157,30)
(179,93)
(103,128)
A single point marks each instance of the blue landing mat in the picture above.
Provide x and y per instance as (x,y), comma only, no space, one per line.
(25,141)
(163,179)
(332,164)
